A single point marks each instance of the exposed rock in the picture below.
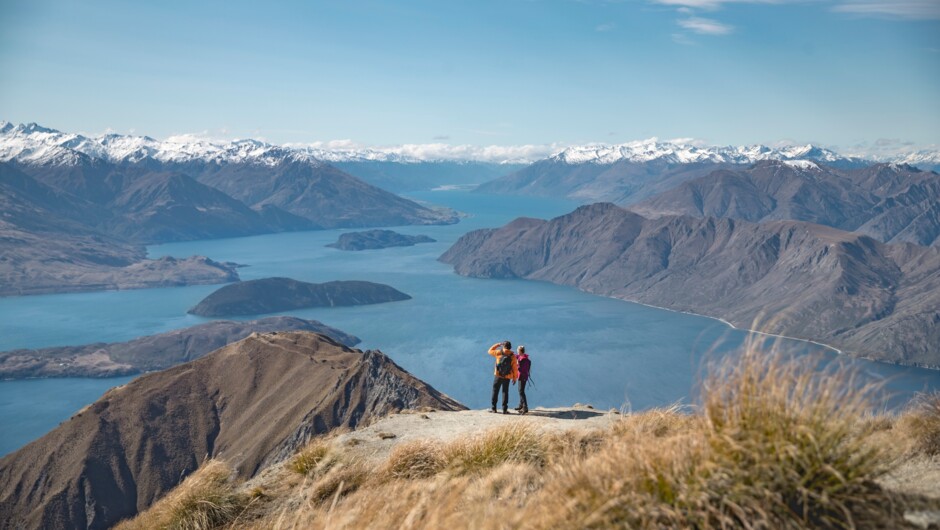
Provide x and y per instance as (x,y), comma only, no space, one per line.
(151,353)
(272,295)
(802,280)
(376,239)
(252,403)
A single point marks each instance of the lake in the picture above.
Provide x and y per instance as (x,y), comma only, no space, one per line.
(584,348)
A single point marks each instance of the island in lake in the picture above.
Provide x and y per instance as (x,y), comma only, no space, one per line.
(375,239)
(273,295)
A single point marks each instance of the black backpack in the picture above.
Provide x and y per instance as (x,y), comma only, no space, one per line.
(504,366)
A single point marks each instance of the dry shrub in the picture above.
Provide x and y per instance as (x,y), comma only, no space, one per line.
(921,423)
(513,443)
(415,460)
(205,500)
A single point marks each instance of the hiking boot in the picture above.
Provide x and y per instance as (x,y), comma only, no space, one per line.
(524,411)
(505,411)
(493,410)
(518,408)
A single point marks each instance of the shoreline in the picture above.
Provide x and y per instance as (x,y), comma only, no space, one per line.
(809,341)
(749,330)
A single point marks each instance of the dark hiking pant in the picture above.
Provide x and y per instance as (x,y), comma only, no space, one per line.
(523,402)
(499,382)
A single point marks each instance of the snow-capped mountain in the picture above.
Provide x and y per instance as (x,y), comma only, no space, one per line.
(684,153)
(34,144)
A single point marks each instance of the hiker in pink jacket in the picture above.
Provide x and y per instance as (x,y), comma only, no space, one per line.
(524,365)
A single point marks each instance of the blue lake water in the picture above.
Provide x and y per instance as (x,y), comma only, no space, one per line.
(585,348)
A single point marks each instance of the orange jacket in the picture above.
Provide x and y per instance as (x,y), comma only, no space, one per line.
(496,350)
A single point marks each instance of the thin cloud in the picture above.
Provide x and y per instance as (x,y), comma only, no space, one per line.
(601,28)
(682,38)
(715,4)
(909,9)
(705,26)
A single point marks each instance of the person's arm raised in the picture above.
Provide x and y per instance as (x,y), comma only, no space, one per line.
(496,349)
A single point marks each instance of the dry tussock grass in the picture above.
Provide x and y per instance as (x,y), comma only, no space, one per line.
(513,443)
(311,457)
(921,423)
(205,500)
(774,443)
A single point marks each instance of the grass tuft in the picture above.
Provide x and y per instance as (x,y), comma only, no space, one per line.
(513,443)
(310,457)
(415,460)
(205,500)
(922,423)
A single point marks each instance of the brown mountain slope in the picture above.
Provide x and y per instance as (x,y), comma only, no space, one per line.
(46,248)
(891,203)
(251,403)
(150,353)
(815,282)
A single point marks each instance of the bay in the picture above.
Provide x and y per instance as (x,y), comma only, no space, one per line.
(585,348)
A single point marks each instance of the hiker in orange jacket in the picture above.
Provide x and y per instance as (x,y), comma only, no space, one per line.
(507,369)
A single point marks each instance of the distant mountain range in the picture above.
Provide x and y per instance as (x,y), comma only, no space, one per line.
(198,189)
(77,208)
(787,277)
(34,144)
(631,172)
(892,203)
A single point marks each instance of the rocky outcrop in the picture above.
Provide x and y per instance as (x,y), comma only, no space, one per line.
(272,295)
(376,239)
(251,404)
(797,279)
(151,353)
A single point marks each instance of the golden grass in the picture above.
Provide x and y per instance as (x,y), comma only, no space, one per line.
(205,500)
(774,442)
(310,457)
(415,460)
(922,423)
(512,443)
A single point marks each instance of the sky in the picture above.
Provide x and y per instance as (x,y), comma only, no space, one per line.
(853,74)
